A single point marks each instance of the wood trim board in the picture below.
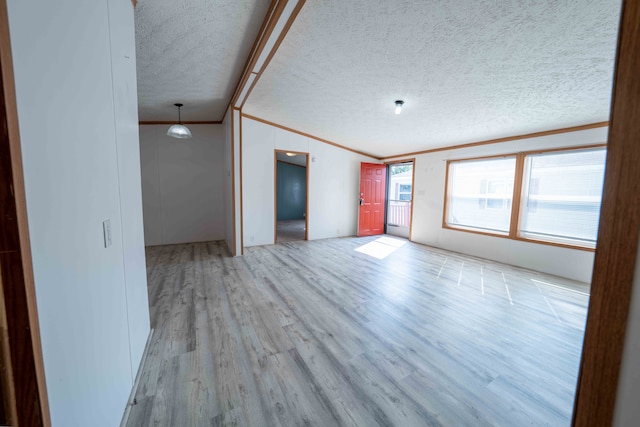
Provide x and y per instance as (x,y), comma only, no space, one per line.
(275,197)
(446,193)
(241,192)
(252,52)
(395,162)
(617,248)
(273,15)
(32,404)
(267,122)
(7,391)
(184,122)
(516,206)
(505,139)
(233,181)
(281,37)
(413,202)
(306,215)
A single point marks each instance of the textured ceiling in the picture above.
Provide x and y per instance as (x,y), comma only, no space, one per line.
(467,70)
(192,51)
(300,160)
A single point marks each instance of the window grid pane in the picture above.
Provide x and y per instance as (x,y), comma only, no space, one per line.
(562,196)
(480,194)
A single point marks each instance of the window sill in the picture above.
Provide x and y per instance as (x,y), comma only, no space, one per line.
(518,238)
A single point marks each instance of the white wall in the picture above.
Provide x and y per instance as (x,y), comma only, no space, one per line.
(334,176)
(627,410)
(182,185)
(430,173)
(75,87)
(125,98)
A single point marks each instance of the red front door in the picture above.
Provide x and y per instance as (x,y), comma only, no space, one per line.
(373,184)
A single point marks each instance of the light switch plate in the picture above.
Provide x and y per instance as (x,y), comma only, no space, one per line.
(106,229)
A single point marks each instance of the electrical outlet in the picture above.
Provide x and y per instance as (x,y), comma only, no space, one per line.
(106,230)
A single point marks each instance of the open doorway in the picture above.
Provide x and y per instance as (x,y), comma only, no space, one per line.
(400,199)
(23,398)
(291,196)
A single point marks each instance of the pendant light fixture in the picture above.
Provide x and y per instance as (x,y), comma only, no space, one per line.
(399,105)
(179,130)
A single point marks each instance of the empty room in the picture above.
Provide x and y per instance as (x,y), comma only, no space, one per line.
(290,212)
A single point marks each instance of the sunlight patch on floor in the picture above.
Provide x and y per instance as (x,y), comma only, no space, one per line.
(381,247)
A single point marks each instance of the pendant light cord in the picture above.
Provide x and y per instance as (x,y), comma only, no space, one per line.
(179,105)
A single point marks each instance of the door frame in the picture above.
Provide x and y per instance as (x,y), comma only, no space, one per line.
(31,403)
(360,199)
(411,160)
(275,192)
(7,391)
(617,247)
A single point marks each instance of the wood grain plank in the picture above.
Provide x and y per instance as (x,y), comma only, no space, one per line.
(317,333)
(616,252)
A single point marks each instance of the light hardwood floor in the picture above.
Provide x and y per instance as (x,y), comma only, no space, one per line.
(318,333)
(290,230)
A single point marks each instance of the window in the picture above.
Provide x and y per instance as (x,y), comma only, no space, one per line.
(404,192)
(558,196)
(561,196)
(480,194)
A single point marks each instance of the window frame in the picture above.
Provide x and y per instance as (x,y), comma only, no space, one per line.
(401,193)
(447,188)
(517,198)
